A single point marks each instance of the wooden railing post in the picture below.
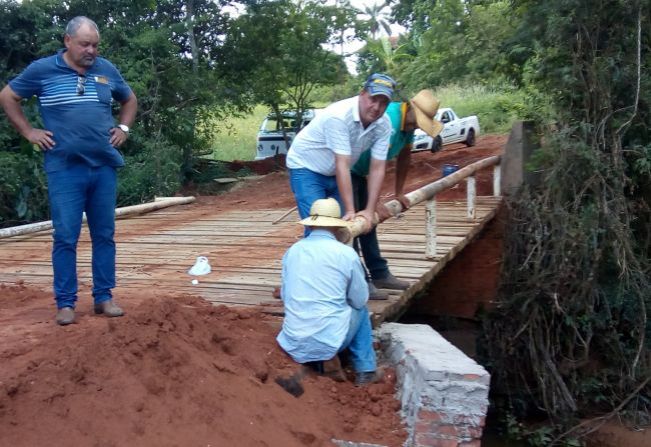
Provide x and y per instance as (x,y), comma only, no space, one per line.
(471,188)
(497,180)
(430,228)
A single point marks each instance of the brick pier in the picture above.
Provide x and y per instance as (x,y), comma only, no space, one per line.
(444,393)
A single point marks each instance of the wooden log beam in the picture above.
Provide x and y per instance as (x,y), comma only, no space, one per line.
(119,212)
(428,191)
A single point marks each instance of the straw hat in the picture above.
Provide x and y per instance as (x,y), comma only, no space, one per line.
(425,106)
(325,213)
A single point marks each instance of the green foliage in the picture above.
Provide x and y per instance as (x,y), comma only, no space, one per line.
(382,55)
(190,63)
(463,42)
(376,18)
(576,280)
(323,95)
(23,187)
(497,108)
(287,38)
(153,171)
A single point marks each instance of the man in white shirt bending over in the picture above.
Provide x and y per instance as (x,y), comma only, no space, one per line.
(322,154)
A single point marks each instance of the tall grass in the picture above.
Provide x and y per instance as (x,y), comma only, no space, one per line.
(496,108)
(235,138)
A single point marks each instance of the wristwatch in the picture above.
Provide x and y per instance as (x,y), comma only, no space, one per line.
(124,128)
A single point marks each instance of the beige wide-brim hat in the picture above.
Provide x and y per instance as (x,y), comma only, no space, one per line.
(425,106)
(325,213)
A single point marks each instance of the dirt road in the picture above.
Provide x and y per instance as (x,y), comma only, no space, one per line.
(177,371)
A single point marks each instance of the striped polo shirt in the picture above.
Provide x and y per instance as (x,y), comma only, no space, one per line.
(80,121)
(338,130)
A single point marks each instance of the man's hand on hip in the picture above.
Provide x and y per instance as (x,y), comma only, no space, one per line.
(118,136)
(41,137)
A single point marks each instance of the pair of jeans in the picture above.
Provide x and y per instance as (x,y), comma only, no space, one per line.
(359,341)
(72,191)
(377,266)
(309,186)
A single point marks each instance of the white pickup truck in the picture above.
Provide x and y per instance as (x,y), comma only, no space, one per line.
(455,130)
(271,141)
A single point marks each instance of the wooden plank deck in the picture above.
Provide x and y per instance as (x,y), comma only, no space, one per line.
(244,248)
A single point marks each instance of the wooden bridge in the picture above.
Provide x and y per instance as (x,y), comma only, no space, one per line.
(245,248)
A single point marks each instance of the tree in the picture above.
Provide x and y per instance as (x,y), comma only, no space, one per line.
(412,14)
(576,281)
(464,42)
(276,56)
(166,50)
(377,18)
(385,54)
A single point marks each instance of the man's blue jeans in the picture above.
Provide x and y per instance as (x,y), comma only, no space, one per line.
(71,192)
(309,186)
(368,243)
(359,341)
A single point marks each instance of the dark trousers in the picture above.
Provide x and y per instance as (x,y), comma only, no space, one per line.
(376,265)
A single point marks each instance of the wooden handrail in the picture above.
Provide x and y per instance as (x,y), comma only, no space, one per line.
(429,191)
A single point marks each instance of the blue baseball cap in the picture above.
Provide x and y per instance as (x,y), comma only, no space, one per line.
(380,84)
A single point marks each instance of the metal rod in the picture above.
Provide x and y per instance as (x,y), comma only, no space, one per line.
(284,215)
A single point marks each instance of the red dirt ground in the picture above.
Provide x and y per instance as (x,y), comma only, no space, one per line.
(176,371)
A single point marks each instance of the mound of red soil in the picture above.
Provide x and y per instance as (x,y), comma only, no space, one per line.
(175,371)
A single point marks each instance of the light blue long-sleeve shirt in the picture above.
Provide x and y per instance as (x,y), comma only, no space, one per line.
(321,280)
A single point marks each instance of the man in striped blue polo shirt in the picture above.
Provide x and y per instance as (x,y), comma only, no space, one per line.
(75,90)
(321,155)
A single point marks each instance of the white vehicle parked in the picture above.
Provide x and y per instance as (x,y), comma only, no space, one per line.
(270,139)
(455,130)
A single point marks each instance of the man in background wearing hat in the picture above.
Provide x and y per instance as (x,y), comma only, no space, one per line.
(321,155)
(325,294)
(405,117)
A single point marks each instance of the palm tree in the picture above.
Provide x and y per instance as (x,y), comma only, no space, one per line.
(377,18)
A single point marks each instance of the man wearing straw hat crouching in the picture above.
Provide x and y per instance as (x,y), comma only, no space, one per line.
(325,294)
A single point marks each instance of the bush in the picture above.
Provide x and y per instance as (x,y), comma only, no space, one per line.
(23,187)
(154,171)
